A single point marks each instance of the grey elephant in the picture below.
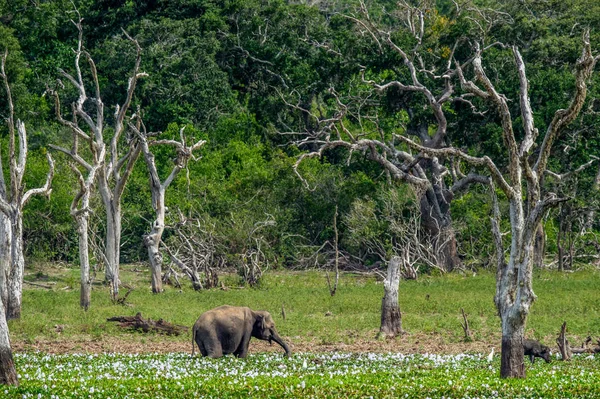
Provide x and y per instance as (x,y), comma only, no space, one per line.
(228,329)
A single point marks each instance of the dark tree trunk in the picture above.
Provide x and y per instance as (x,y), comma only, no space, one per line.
(561,252)
(446,247)
(8,373)
(539,247)
(512,364)
(437,225)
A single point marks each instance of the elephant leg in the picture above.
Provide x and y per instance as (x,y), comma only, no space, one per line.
(213,348)
(202,349)
(216,353)
(242,350)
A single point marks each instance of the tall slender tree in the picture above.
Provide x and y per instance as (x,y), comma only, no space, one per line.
(158,188)
(12,201)
(112,156)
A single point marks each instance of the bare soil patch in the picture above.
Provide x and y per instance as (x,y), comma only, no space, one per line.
(410,343)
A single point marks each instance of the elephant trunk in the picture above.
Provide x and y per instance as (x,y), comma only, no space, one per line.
(275,337)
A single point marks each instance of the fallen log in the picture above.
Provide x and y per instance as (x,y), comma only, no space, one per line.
(585,348)
(138,323)
(46,286)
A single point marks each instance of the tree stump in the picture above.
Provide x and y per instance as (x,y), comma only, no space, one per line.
(563,344)
(391,317)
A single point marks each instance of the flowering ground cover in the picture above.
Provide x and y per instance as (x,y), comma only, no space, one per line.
(331,375)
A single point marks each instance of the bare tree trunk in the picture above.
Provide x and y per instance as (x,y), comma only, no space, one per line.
(15,281)
(513,299)
(5,257)
(113,243)
(561,251)
(539,247)
(563,344)
(8,373)
(158,189)
(333,290)
(391,317)
(85,297)
(152,241)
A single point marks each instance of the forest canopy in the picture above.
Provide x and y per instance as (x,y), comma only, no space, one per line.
(257,80)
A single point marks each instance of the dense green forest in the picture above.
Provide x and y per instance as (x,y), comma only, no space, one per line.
(258,79)
(402,137)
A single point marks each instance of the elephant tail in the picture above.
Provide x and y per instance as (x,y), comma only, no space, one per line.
(193,340)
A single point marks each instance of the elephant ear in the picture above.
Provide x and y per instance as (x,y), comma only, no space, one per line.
(261,321)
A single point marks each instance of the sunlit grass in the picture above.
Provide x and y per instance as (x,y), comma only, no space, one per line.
(430,305)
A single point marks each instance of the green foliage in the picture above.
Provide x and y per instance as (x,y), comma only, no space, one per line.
(222,68)
(49,231)
(377,223)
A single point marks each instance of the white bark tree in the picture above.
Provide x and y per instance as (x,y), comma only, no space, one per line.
(80,211)
(111,162)
(523,187)
(12,201)
(158,188)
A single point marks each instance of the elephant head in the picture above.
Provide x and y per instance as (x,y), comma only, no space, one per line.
(264,328)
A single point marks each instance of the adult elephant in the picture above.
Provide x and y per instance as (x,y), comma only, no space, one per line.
(228,329)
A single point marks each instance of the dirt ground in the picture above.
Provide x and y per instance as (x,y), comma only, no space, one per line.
(412,343)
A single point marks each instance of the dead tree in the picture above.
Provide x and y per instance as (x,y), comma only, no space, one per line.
(114,160)
(158,189)
(465,326)
(252,261)
(195,250)
(514,292)
(336,263)
(80,211)
(563,344)
(353,125)
(12,201)
(391,317)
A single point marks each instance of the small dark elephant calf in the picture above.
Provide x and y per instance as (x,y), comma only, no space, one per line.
(228,329)
(534,349)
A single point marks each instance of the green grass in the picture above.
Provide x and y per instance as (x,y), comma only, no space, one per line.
(430,305)
(431,312)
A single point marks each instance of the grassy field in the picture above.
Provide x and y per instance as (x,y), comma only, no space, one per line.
(430,306)
(64,352)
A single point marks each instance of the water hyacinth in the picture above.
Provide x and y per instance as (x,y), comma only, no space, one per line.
(177,375)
